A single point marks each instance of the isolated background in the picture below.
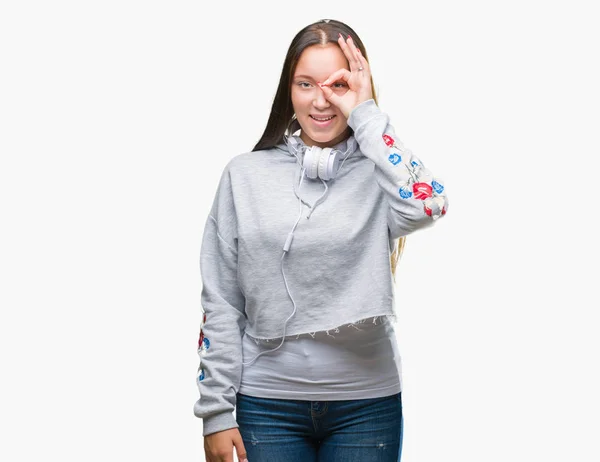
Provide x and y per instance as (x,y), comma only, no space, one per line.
(116,120)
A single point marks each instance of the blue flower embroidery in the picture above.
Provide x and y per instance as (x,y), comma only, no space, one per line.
(206,344)
(404,192)
(395,159)
(414,163)
(437,187)
(201,378)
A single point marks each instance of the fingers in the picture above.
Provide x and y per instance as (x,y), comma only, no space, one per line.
(335,99)
(363,62)
(354,50)
(239,448)
(207,455)
(343,74)
(355,60)
(349,50)
(353,55)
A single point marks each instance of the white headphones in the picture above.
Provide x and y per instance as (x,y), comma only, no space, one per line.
(323,163)
(318,162)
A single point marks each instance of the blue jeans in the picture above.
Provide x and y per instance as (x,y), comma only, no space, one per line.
(365,430)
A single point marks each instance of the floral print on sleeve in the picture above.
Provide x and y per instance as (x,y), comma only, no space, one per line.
(203,346)
(415,197)
(421,184)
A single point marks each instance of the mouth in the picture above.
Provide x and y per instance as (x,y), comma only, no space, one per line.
(322,121)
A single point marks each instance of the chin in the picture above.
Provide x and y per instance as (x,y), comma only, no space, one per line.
(326,137)
(322,138)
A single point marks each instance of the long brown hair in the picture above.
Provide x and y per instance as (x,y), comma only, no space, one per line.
(282,111)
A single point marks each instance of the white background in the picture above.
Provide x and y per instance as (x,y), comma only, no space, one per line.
(116,120)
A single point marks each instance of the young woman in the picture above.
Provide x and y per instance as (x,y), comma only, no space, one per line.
(298,264)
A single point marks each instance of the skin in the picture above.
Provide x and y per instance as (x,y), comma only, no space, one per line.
(218,447)
(342,89)
(327,82)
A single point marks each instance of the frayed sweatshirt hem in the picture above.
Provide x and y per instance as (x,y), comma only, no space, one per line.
(330,330)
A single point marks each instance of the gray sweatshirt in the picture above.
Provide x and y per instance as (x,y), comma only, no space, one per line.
(337,270)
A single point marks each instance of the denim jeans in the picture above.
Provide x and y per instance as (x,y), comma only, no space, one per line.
(365,430)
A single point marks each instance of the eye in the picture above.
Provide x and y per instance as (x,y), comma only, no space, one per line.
(341,84)
(303,83)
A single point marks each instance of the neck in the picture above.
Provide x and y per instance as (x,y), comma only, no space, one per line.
(326,144)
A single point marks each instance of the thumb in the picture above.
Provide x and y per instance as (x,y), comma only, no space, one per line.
(330,94)
(240,450)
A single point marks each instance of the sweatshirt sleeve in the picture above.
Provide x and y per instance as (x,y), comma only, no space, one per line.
(416,197)
(223,319)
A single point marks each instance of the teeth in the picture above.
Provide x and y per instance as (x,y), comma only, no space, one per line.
(323,120)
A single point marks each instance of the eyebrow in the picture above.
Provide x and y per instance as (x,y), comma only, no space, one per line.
(302,76)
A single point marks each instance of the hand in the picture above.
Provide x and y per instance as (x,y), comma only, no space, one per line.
(359,82)
(218,447)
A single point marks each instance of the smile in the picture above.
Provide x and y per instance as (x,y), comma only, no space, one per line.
(322,121)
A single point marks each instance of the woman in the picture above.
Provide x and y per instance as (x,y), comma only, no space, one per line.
(297,291)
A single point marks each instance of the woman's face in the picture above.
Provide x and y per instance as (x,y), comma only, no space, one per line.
(316,63)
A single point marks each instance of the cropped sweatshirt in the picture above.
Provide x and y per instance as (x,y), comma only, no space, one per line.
(335,269)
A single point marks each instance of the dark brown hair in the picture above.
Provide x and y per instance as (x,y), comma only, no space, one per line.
(282,111)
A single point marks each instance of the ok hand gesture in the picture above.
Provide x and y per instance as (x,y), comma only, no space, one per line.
(358,79)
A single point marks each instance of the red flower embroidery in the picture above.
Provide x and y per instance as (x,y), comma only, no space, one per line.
(422,191)
(437,203)
(201,339)
(428,211)
(388,140)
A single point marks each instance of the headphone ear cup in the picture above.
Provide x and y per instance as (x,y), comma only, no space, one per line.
(324,172)
(307,161)
(311,161)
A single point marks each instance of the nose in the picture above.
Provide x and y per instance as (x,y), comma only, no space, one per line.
(320,102)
